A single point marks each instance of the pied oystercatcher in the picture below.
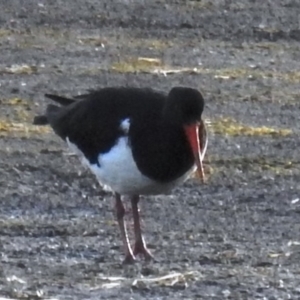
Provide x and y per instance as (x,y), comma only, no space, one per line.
(136,141)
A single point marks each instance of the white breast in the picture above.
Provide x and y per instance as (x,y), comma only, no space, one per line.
(117,170)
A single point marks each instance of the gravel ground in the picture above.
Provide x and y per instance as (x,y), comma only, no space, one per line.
(235,237)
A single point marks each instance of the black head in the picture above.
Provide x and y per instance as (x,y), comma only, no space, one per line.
(184,106)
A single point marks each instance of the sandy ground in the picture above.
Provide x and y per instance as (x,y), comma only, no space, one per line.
(237,236)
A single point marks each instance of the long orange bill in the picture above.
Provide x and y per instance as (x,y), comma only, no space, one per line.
(196,134)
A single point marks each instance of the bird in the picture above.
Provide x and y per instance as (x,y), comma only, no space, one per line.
(136,141)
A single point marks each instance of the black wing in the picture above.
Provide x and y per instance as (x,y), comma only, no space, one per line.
(93,123)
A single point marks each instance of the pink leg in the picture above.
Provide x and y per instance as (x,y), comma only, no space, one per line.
(120,212)
(140,245)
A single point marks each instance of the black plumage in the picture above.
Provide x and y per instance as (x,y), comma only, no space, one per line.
(165,138)
(156,135)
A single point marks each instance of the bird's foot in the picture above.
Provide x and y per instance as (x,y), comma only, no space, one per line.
(140,248)
(129,259)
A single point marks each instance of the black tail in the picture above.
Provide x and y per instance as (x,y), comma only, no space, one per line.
(40,120)
(52,112)
(61,100)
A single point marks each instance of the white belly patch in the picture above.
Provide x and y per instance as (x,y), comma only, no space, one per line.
(118,172)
